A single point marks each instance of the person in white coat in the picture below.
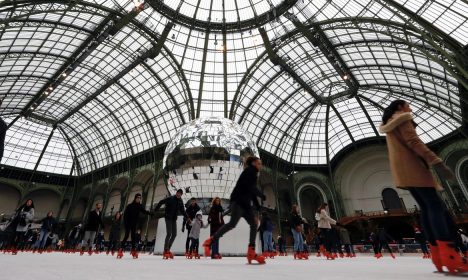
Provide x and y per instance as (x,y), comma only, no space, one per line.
(324,225)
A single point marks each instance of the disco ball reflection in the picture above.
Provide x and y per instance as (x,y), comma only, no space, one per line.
(205,158)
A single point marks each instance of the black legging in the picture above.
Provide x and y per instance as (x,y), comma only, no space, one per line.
(383,245)
(129,229)
(326,237)
(187,242)
(435,218)
(238,212)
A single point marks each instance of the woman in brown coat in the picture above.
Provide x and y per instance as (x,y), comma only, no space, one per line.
(411,162)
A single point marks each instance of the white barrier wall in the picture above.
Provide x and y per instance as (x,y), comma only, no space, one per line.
(234,242)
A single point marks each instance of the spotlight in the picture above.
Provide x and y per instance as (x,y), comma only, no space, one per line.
(345,77)
(51,88)
(64,74)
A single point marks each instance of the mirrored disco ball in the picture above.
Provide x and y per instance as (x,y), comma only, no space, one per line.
(205,158)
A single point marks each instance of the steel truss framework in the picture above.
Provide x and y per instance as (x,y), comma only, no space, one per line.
(304,79)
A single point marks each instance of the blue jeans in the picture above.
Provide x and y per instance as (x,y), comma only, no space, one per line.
(41,241)
(267,241)
(298,241)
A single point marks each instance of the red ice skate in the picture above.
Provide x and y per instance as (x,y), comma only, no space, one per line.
(252,256)
(90,252)
(450,258)
(392,255)
(134,254)
(318,254)
(436,258)
(167,255)
(119,254)
(217,257)
(207,246)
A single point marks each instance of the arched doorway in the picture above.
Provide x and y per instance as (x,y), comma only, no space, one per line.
(391,200)
(310,198)
(9,199)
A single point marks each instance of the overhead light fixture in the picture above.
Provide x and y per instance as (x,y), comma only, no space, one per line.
(51,88)
(64,74)
(345,77)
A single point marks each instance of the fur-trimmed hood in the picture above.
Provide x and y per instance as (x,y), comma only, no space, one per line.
(395,121)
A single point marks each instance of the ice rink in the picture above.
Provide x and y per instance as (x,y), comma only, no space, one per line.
(54,266)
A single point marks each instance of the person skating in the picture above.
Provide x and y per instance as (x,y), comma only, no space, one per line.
(346,241)
(422,241)
(74,238)
(281,245)
(174,205)
(114,233)
(383,240)
(216,221)
(411,162)
(90,230)
(266,228)
(191,209)
(196,225)
(296,222)
(47,225)
(19,225)
(130,217)
(336,242)
(243,201)
(324,224)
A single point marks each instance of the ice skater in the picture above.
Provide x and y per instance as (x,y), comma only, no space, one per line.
(191,209)
(382,242)
(266,228)
(19,225)
(90,230)
(324,225)
(174,205)
(296,222)
(422,241)
(131,213)
(216,221)
(243,201)
(411,162)
(47,225)
(114,233)
(196,225)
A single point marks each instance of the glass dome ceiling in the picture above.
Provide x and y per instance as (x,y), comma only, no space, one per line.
(89,83)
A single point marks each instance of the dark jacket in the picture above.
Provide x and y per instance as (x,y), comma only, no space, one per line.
(215,218)
(94,221)
(114,233)
(295,220)
(174,206)
(266,224)
(245,192)
(419,237)
(131,213)
(48,223)
(191,211)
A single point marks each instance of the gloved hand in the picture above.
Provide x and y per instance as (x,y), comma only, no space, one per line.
(444,171)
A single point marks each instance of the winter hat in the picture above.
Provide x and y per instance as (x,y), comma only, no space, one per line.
(180,191)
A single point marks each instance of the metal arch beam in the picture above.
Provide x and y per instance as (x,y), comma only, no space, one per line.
(119,122)
(29,54)
(390,88)
(319,39)
(429,27)
(7,24)
(78,167)
(75,59)
(148,120)
(296,141)
(382,42)
(163,84)
(268,122)
(42,153)
(277,60)
(258,93)
(421,101)
(404,68)
(238,25)
(151,53)
(100,133)
(145,30)
(377,105)
(343,123)
(293,121)
(245,79)
(366,114)
(202,72)
(327,138)
(94,162)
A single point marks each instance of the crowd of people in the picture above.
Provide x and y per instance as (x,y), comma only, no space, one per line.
(411,162)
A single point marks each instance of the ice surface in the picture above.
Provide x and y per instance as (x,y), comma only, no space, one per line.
(54,266)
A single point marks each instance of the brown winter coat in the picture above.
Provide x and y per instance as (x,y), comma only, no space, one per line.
(410,158)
